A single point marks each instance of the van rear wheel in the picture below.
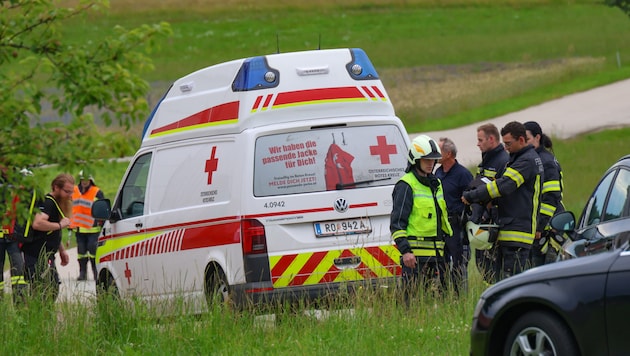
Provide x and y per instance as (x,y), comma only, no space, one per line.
(217,288)
(106,287)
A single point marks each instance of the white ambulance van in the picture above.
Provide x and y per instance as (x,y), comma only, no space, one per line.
(260,179)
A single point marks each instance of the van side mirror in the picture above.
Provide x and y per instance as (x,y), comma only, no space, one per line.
(563,222)
(101,209)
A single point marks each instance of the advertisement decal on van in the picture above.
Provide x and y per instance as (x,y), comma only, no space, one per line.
(324,159)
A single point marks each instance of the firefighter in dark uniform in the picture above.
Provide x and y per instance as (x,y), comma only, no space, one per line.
(517,193)
(551,199)
(8,246)
(494,158)
(419,219)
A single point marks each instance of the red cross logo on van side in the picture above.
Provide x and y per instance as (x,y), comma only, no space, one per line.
(212,164)
(127,273)
(382,149)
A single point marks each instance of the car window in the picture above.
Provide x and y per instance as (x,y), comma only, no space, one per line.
(131,201)
(617,205)
(595,206)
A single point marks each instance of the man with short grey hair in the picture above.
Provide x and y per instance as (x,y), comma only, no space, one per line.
(455,179)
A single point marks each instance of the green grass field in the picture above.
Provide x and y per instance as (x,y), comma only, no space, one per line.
(444,63)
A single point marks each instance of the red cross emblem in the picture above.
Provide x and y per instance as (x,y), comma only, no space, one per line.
(382,149)
(127,273)
(212,164)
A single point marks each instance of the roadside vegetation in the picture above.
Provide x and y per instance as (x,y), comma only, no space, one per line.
(444,63)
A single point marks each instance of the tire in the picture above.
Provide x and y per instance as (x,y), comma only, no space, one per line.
(217,288)
(539,333)
(106,287)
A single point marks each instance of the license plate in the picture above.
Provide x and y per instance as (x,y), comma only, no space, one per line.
(342,227)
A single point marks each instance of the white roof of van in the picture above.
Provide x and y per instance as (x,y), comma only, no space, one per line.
(257,91)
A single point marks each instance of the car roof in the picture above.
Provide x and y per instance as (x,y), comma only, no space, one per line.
(623,161)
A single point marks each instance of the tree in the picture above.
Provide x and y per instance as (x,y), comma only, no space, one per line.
(624,5)
(40,71)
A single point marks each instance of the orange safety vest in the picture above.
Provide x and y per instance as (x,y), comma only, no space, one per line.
(10,214)
(82,209)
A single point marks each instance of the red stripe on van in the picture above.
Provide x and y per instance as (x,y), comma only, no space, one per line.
(318,94)
(284,263)
(378,92)
(368,91)
(365,271)
(187,239)
(257,102)
(223,112)
(227,218)
(214,235)
(385,261)
(307,270)
(267,101)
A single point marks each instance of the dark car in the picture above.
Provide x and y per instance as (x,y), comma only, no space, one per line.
(575,307)
(605,220)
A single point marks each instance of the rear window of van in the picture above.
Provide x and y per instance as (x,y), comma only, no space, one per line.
(329,159)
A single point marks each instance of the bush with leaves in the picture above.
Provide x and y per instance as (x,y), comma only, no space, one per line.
(75,81)
(624,5)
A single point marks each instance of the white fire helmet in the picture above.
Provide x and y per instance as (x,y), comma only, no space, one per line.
(478,235)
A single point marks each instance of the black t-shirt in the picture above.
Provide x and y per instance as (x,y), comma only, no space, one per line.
(51,239)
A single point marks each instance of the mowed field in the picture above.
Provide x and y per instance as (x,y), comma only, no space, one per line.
(444,63)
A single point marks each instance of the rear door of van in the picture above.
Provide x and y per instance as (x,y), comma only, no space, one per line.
(323,193)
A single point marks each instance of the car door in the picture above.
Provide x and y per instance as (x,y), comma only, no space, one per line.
(123,250)
(618,302)
(606,215)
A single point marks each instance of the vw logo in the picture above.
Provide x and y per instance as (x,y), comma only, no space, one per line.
(341,205)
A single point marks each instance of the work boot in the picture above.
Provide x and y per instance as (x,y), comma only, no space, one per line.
(82,269)
(93,263)
(20,293)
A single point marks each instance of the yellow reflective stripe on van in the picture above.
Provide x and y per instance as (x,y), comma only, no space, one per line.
(317,267)
(193,127)
(110,246)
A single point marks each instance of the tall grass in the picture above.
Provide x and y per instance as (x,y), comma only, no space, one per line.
(370,322)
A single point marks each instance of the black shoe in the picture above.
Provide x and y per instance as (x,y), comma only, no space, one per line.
(82,277)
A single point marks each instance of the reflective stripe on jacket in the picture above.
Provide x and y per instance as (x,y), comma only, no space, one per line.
(551,198)
(518,196)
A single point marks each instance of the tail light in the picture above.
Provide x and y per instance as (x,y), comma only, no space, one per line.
(253,237)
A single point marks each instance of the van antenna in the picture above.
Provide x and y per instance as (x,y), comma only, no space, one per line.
(319,41)
(277,43)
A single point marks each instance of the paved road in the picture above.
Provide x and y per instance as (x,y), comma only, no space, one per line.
(592,110)
(596,109)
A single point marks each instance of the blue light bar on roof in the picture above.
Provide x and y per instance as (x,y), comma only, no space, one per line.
(360,68)
(255,74)
(150,118)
